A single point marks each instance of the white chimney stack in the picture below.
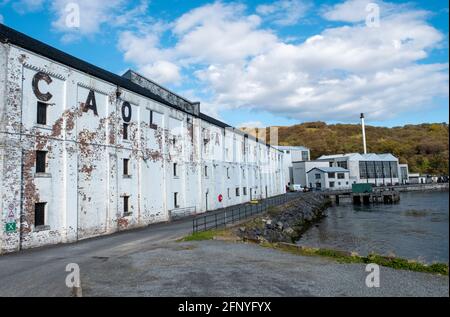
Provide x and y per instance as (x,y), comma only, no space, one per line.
(363,133)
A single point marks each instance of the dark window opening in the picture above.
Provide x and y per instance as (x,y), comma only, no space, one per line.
(237,192)
(39,214)
(42,113)
(125,167)
(175,172)
(125,131)
(41,158)
(244,191)
(175,200)
(152,124)
(126,204)
(206,171)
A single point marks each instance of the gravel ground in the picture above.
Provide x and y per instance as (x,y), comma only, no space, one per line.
(218,268)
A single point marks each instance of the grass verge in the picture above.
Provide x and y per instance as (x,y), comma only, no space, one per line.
(339,256)
(346,257)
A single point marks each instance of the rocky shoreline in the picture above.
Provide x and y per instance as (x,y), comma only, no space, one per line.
(286,223)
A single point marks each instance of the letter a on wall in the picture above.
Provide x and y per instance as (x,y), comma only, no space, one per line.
(91,103)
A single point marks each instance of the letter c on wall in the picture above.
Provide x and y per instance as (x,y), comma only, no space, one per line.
(126,111)
(36,79)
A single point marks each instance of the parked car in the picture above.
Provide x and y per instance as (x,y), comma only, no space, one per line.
(296,188)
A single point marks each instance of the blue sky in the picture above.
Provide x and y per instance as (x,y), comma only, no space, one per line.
(265,62)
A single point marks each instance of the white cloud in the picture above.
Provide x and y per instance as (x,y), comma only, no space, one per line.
(93,14)
(284,12)
(251,124)
(333,75)
(162,72)
(220,33)
(25,6)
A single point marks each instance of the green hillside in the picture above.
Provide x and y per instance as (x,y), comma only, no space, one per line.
(424,147)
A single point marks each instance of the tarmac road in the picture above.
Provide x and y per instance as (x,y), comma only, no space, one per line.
(149,262)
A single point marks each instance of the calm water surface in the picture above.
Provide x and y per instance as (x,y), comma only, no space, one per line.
(416,228)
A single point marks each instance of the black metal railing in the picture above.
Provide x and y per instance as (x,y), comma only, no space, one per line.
(220,218)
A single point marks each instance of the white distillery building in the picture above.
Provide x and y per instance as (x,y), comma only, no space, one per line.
(300,172)
(293,154)
(378,169)
(85,152)
(332,178)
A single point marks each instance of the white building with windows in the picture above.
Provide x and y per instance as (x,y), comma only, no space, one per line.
(378,169)
(300,172)
(329,178)
(293,154)
(85,152)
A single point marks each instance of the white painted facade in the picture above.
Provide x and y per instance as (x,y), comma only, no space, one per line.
(300,171)
(179,161)
(293,154)
(329,178)
(378,169)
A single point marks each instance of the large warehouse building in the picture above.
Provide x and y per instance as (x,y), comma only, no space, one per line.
(377,169)
(84,152)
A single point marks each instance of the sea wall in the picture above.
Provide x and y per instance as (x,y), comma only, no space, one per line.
(287,222)
(421,187)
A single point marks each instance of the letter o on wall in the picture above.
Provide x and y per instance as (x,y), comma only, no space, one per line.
(126,111)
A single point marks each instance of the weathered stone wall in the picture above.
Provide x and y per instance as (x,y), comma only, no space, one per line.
(287,222)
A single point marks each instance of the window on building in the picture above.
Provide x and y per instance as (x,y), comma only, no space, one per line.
(126,163)
(318,176)
(288,152)
(206,171)
(332,175)
(243,173)
(152,123)
(331,184)
(346,183)
(305,156)
(362,170)
(228,193)
(126,205)
(41,113)
(330,164)
(175,169)
(41,161)
(244,190)
(125,131)
(39,214)
(175,200)
(228,172)
(341,175)
(342,164)
(237,192)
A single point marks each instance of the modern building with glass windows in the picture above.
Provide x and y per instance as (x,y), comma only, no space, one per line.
(378,169)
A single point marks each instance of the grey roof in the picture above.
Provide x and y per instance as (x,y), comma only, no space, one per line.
(361,157)
(330,169)
(292,148)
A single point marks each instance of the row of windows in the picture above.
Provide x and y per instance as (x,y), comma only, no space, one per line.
(339,175)
(40,217)
(378,169)
(41,118)
(332,184)
(41,163)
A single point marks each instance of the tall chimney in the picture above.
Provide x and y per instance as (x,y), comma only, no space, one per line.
(363,133)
